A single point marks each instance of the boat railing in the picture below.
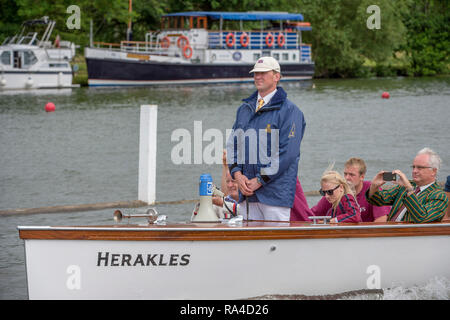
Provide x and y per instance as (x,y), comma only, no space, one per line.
(151,39)
(29,39)
(129,46)
(305,53)
(136,46)
(253,40)
(99,44)
(6,41)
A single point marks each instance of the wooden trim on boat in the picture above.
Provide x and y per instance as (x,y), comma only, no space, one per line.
(219,232)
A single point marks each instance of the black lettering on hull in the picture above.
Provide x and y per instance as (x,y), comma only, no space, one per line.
(108,259)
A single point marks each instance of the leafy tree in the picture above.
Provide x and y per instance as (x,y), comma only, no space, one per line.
(9,21)
(341,39)
(417,31)
(428,44)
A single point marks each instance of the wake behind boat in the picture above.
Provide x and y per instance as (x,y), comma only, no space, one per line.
(29,60)
(187,50)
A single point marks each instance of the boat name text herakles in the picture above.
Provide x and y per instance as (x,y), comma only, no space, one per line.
(107,259)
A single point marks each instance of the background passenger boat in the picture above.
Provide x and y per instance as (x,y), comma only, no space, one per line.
(195,47)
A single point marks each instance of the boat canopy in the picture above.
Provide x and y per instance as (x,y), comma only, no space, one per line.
(248,16)
(43,20)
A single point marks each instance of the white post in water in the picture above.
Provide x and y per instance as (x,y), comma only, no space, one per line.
(147,153)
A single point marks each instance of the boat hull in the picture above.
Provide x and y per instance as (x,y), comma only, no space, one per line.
(109,72)
(35,79)
(198,262)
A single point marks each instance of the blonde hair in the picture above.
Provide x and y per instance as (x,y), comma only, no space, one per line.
(357,162)
(331,176)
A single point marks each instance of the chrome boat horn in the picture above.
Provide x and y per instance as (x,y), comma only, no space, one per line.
(151,215)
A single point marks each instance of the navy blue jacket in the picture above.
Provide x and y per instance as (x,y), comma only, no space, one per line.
(276,169)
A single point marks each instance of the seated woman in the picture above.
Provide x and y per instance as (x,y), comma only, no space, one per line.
(344,207)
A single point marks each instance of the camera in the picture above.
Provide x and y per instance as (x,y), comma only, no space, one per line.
(389,176)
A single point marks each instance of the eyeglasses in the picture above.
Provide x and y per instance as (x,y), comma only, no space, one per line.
(420,167)
(329,192)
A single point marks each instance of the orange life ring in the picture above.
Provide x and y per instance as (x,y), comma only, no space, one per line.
(165,42)
(245,39)
(185,50)
(281,40)
(179,41)
(229,44)
(270,43)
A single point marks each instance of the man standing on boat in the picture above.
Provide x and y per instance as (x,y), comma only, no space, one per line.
(420,200)
(264,148)
(354,172)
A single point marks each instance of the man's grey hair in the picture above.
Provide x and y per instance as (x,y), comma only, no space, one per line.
(434,160)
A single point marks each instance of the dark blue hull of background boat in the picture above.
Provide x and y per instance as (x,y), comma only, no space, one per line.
(102,69)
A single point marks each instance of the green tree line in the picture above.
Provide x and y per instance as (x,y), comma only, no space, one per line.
(413,38)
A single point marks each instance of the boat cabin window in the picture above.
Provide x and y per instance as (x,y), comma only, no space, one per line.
(17,59)
(29,58)
(58,65)
(276,56)
(256,56)
(6,57)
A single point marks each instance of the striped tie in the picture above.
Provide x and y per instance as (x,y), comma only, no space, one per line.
(260,104)
(394,218)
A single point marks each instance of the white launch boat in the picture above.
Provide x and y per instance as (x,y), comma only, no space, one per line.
(230,261)
(28,61)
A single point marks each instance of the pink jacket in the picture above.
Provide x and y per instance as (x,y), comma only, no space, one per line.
(300,210)
(347,210)
(369,212)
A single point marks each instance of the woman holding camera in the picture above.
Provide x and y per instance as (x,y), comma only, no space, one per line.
(344,207)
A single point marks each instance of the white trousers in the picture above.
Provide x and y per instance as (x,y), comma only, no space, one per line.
(261,211)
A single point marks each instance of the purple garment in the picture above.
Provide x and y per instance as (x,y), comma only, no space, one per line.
(300,210)
(347,210)
(368,212)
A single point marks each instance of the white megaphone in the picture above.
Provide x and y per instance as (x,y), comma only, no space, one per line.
(205,211)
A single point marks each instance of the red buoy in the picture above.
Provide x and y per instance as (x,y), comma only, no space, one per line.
(50,107)
(385,95)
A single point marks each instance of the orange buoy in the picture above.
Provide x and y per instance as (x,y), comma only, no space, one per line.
(281,40)
(187,51)
(245,39)
(50,107)
(182,41)
(229,40)
(165,43)
(385,95)
(270,40)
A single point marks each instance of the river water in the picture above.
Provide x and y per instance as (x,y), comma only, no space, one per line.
(87,151)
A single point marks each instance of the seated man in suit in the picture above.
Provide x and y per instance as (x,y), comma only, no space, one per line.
(419,200)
